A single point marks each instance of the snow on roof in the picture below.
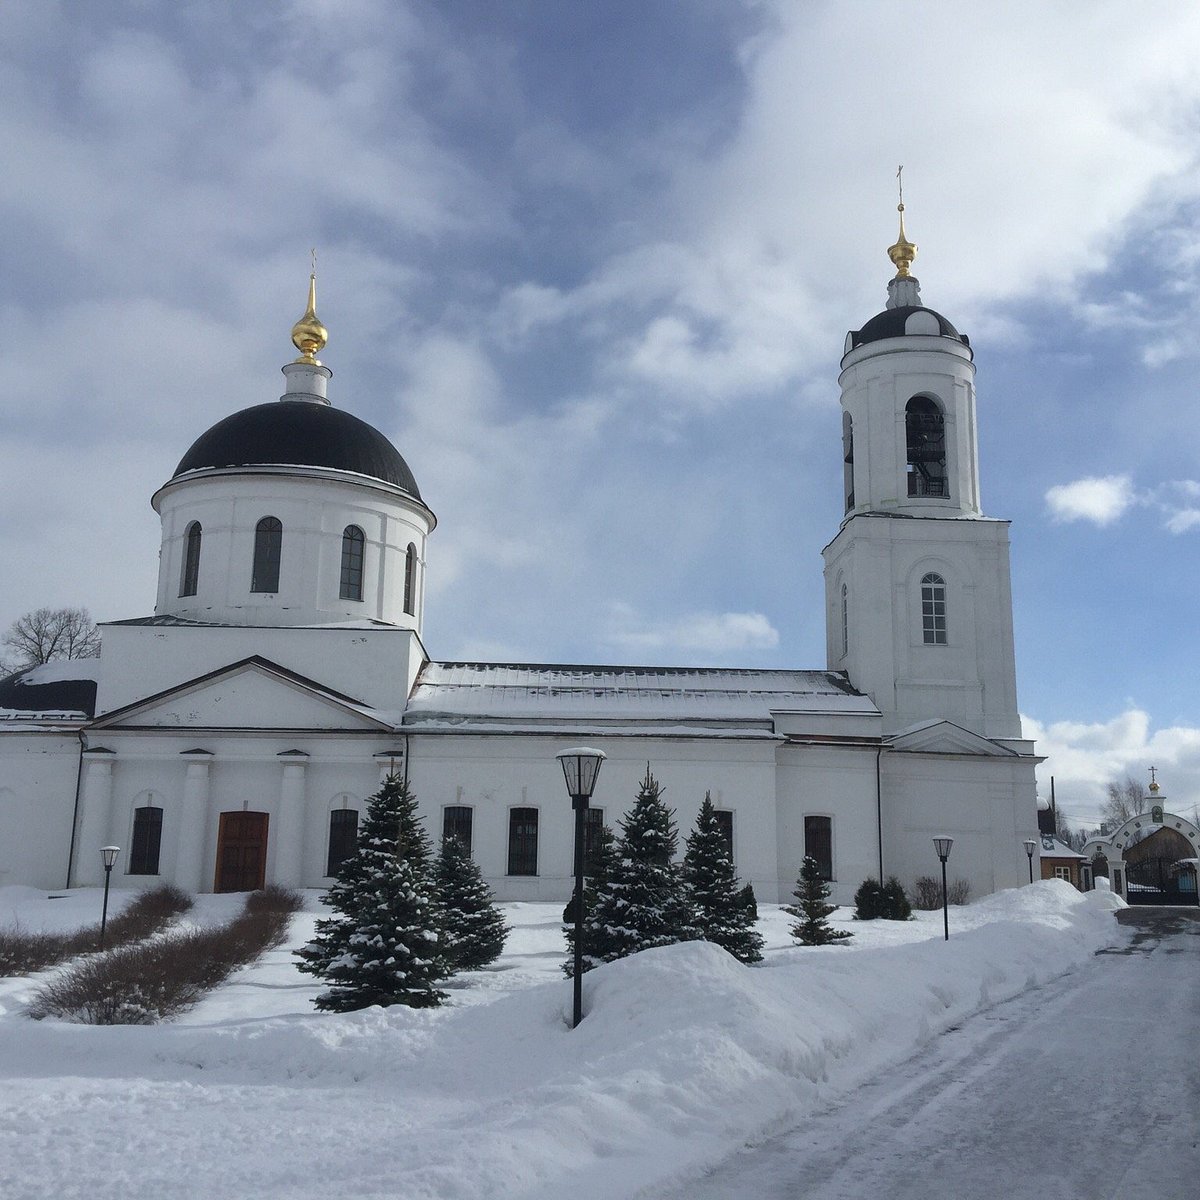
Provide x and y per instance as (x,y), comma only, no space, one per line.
(1054,847)
(675,699)
(61,670)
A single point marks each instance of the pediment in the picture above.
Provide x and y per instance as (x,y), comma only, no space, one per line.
(944,737)
(254,694)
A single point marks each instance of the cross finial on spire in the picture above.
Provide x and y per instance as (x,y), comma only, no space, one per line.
(1153,779)
(308,334)
(903,252)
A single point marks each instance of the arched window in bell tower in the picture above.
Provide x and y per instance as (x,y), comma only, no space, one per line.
(848,459)
(933,609)
(268,544)
(925,432)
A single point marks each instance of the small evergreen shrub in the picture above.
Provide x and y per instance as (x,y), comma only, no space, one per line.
(868,901)
(811,911)
(599,945)
(894,905)
(472,928)
(748,904)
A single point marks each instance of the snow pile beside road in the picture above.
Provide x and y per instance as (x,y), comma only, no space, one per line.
(683,1055)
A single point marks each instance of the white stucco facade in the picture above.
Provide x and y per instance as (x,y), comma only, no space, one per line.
(235,731)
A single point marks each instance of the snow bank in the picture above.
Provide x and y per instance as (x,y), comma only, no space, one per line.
(683,1055)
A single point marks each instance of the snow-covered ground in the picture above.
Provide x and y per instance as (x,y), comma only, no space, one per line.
(683,1055)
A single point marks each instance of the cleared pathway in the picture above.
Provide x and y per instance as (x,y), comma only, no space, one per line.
(1085,1089)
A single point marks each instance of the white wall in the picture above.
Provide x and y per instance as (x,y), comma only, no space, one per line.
(38,772)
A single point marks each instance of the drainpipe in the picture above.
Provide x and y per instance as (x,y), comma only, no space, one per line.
(75,810)
(879,808)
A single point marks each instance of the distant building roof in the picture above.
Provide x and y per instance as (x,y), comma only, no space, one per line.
(476,697)
(57,689)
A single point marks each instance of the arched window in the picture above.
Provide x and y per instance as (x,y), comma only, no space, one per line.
(147,837)
(848,459)
(845,620)
(522,841)
(933,610)
(343,838)
(818,843)
(268,542)
(352,563)
(925,432)
(456,824)
(410,581)
(190,577)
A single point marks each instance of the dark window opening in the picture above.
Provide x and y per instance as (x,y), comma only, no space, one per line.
(147,838)
(925,431)
(522,841)
(848,459)
(456,824)
(593,822)
(353,541)
(933,610)
(343,838)
(190,578)
(818,844)
(268,543)
(725,822)
(410,580)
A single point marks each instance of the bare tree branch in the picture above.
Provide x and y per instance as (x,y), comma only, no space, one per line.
(49,634)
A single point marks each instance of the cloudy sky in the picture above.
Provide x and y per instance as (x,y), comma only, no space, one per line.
(590,266)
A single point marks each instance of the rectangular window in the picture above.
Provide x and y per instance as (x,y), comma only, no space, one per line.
(1063,873)
(818,843)
(725,821)
(456,823)
(593,822)
(343,838)
(933,610)
(147,837)
(522,841)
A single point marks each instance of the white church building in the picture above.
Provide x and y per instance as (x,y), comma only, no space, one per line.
(233,737)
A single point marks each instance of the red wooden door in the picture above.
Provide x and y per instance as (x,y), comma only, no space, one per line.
(241,852)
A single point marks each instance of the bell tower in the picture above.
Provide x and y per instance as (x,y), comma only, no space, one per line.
(918,594)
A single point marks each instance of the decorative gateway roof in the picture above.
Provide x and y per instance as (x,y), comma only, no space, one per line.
(463,697)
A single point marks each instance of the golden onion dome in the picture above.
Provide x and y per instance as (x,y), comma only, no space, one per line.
(308,334)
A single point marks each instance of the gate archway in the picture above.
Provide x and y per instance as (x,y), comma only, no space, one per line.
(1114,845)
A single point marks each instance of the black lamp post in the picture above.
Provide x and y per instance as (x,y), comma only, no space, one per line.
(580,767)
(109,854)
(1030,846)
(942,846)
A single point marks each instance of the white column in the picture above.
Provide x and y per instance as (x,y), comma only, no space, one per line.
(95,820)
(193,826)
(293,812)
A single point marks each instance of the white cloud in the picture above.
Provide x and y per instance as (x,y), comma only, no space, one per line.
(709,633)
(1100,499)
(1084,757)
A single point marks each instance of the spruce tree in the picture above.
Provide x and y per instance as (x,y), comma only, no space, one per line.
(473,930)
(868,901)
(645,903)
(811,927)
(598,944)
(383,946)
(719,911)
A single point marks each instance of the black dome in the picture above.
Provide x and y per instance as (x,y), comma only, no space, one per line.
(299,433)
(892,322)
